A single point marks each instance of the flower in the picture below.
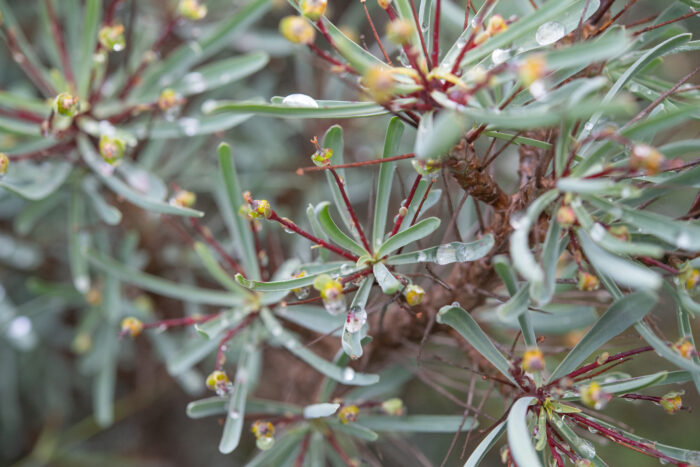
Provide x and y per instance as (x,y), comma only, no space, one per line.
(566,217)
(532,69)
(300,292)
(297,29)
(646,158)
(112,149)
(192,10)
(399,31)
(217,380)
(413,294)
(588,282)
(379,81)
(685,348)
(169,99)
(322,157)
(112,37)
(4,163)
(313,9)
(132,326)
(593,395)
(65,105)
(183,198)
(331,291)
(533,360)
(348,414)
(672,402)
(264,434)
(393,406)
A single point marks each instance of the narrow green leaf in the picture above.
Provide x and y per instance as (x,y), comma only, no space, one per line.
(33,181)
(77,241)
(625,386)
(334,233)
(325,109)
(320,410)
(355,430)
(412,234)
(385,180)
(485,445)
(516,306)
(214,268)
(664,350)
(386,280)
(447,253)
(289,284)
(456,317)
(436,135)
(417,423)
(519,439)
(220,73)
(623,313)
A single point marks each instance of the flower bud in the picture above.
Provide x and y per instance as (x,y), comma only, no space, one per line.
(183,198)
(685,348)
(588,282)
(169,99)
(428,168)
(672,402)
(496,24)
(379,81)
(414,294)
(620,231)
(348,414)
(65,105)
(400,31)
(331,291)
(192,10)
(218,381)
(533,361)
(593,395)
(566,217)
(646,158)
(132,326)
(112,37)
(322,157)
(393,406)
(296,29)
(263,429)
(313,9)
(4,163)
(384,4)
(688,276)
(112,149)
(532,69)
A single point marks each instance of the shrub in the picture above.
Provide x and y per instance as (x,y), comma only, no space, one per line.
(534,198)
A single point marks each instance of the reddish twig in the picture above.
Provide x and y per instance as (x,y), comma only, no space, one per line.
(351,211)
(315,168)
(406,204)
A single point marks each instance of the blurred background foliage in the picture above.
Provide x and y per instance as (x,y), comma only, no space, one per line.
(49,359)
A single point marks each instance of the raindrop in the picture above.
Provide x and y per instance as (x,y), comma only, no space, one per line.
(348,374)
(234,414)
(446,254)
(300,100)
(499,56)
(209,106)
(519,221)
(357,317)
(19,328)
(346,268)
(683,241)
(301,293)
(276,331)
(538,89)
(422,257)
(190,126)
(586,449)
(549,33)
(335,307)
(588,126)
(118,47)
(82,284)
(634,87)
(597,232)
(195,81)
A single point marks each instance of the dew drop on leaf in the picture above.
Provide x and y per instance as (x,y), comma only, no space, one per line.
(300,100)
(549,33)
(348,374)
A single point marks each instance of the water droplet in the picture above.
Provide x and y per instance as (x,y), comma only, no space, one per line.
(300,100)
(683,240)
(357,317)
(195,81)
(82,284)
(234,414)
(634,87)
(597,232)
(19,328)
(586,449)
(118,47)
(209,106)
(189,126)
(588,126)
(346,268)
(161,329)
(301,293)
(348,374)
(538,89)
(549,33)
(422,257)
(335,307)
(519,221)
(500,56)
(276,331)
(446,254)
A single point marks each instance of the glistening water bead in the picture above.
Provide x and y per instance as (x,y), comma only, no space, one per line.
(300,100)
(550,32)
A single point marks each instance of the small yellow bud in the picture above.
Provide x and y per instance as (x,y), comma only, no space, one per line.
(132,326)
(588,282)
(393,406)
(379,81)
(414,294)
(297,29)
(333,290)
(4,163)
(566,217)
(184,199)
(532,68)
(217,380)
(112,149)
(263,429)
(192,10)
(66,105)
(169,99)
(646,158)
(93,296)
(112,37)
(348,414)
(400,31)
(593,395)
(428,168)
(313,9)
(685,348)
(496,24)
(672,402)
(533,361)
(322,157)
(621,232)
(384,4)
(481,37)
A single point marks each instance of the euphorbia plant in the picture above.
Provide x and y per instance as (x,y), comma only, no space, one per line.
(534,198)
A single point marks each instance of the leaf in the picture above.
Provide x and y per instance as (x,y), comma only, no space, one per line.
(519,439)
(220,73)
(436,135)
(160,286)
(485,445)
(582,447)
(417,423)
(352,341)
(185,127)
(355,430)
(607,46)
(290,284)
(315,318)
(88,43)
(77,241)
(622,314)
(550,258)
(516,306)
(346,376)
(284,450)
(119,187)
(622,271)
(447,253)
(412,234)
(664,351)
(108,213)
(320,410)
(35,181)
(625,386)
(325,109)
(386,280)
(385,179)
(456,317)
(241,232)
(215,270)
(334,233)
(360,59)
(217,405)
(235,410)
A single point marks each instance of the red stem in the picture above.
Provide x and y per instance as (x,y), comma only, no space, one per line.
(436,34)
(317,168)
(659,264)
(186,321)
(406,204)
(299,462)
(592,366)
(211,241)
(351,211)
(220,356)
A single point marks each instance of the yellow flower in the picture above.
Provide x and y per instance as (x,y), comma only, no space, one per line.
(348,414)
(593,395)
(112,37)
(297,29)
(4,163)
(399,31)
(533,361)
(217,380)
(393,406)
(65,104)
(672,402)
(192,10)
(169,99)
(379,81)
(384,4)
(646,158)
(263,429)
(496,24)
(566,217)
(414,294)
(132,326)
(685,348)
(313,9)
(184,199)
(587,282)
(532,68)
